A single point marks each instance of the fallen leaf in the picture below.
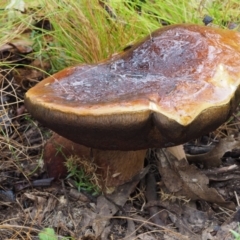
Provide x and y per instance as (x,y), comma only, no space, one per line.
(189,180)
(213,157)
(223,232)
(42,205)
(108,205)
(145,236)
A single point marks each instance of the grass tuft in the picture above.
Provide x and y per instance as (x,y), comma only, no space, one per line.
(83,172)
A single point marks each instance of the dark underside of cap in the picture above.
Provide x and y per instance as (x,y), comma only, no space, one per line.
(139,130)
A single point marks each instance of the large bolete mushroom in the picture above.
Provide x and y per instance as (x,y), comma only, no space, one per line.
(177,84)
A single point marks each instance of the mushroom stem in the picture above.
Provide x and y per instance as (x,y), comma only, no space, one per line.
(114,167)
(118,167)
(177,151)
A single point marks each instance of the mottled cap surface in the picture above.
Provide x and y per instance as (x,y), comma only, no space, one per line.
(175,85)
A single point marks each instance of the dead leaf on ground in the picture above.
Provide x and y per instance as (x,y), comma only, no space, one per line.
(173,236)
(145,236)
(42,204)
(187,180)
(192,221)
(213,157)
(22,44)
(222,232)
(107,206)
(186,217)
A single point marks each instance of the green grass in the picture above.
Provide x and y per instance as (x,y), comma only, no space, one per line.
(235,234)
(85,32)
(49,234)
(83,173)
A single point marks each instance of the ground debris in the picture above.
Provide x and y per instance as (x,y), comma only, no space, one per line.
(187,180)
(220,232)
(213,157)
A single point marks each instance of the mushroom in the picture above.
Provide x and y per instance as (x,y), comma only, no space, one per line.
(175,85)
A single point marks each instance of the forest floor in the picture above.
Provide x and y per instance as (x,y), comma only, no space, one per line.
(170,199)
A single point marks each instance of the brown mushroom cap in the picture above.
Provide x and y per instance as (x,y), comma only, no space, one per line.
(175,85)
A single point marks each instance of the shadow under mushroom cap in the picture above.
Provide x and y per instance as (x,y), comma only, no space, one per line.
(175,85)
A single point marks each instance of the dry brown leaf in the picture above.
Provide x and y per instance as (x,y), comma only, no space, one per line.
(186,217)
(26,75)
(42,206)
(36,212)
(223,232)
(187,180)
(213,157)
(107,206)
(171,180)
(22,45)
(195,220)
(173,236)
(145,236)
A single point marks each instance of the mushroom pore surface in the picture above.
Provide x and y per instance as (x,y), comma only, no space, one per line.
(176,84)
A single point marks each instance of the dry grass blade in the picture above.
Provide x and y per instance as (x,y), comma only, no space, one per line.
(19,137)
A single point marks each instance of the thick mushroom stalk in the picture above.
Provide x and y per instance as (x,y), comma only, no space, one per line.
(175,85)
(113,167)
